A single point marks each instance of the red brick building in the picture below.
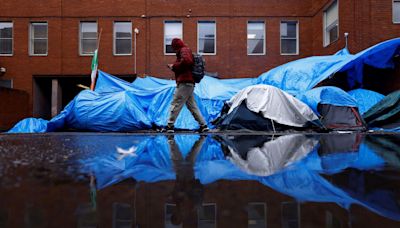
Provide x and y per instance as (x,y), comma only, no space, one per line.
(44,45)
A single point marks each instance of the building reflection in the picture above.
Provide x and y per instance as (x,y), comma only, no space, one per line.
(221,195)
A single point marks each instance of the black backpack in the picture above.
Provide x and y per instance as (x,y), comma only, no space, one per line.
(198,67)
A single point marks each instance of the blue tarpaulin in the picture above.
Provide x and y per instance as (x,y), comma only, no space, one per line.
(365,99)
(305,74)
(326,95)
(117,105)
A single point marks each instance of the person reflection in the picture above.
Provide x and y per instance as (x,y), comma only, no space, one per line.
(188,191)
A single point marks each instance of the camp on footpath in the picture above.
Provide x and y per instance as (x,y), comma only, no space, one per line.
(318,93)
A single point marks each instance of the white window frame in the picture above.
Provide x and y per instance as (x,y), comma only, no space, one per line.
(115,39)
(12,38)
(165,43)
(80,37)
(32,39)
(264,39)
(324,25)
(393,2)
(297,37)
(265,210)
(215,37)
(215,214)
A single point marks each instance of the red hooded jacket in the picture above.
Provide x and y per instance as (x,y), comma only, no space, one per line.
(184,62)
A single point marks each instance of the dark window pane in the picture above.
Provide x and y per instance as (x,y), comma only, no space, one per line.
(39,47)
(5,46)
(206,46)
(333,34)
(256,216)
(123,46)
(288,46)
(255,46)
(168,49)
(289,29)
(6,30)
(89,46)
(40,30)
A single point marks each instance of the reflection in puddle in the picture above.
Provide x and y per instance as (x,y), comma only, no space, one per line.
(215,180)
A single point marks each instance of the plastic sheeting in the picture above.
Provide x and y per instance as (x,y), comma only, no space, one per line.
(365,99)
(116,105)
(327,95)
(386,113)
(304,74)
(274,104)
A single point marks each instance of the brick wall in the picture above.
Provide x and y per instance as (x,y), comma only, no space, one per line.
(13,107)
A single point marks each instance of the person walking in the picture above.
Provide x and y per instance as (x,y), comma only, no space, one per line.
(184,86)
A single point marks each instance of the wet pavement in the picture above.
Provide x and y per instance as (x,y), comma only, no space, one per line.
(191,180)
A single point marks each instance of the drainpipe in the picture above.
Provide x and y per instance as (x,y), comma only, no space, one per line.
(136,32)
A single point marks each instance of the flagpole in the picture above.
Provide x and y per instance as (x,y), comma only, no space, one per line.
(93,83)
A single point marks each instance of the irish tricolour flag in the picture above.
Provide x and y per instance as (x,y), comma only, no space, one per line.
(95,63)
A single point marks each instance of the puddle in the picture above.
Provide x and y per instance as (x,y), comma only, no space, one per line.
(221,180)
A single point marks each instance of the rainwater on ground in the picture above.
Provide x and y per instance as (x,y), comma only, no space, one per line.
(191,180)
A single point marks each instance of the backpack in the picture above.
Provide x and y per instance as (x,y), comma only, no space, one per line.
(198,67)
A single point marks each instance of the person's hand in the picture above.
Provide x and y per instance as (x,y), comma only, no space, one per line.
(170,66)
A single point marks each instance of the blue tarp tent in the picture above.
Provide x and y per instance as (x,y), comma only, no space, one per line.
(305,74)
(365,99)
(116,105)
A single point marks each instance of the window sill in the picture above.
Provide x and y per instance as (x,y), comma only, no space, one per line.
(7,55)
(211,54)
(289,54)
(123,54)
(261,54)
(38,55)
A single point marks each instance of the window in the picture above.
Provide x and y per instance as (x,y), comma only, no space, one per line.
(206,37)
(88,38)
(256,215)
(396,11)
(255,38)
(38,38)
(6,38)
(172,29)
(123,38)
(290,214)
(207,215)
(331,24)
(170,209)
(289,38)
(122,215)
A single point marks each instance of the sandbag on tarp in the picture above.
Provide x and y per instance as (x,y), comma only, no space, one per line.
(338,110)
(365,99)
(386,113)
(268,103)
(305,74)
